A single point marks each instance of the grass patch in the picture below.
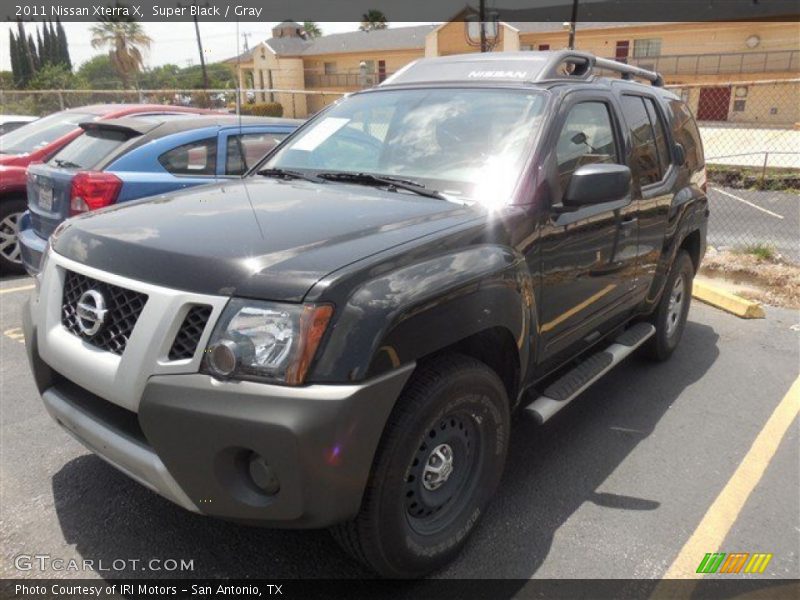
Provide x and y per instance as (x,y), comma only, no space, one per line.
(751,178)
(760,251)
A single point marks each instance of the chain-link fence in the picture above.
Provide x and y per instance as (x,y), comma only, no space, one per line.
(287,103)
(751,138)
(750,131)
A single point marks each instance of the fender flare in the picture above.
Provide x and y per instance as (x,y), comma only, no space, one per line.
(410,312)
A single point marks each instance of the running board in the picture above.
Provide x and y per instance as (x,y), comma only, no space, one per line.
(569,386)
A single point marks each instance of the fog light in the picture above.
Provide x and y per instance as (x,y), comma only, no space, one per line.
(263,475)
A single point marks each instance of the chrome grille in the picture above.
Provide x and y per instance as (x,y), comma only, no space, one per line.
(124,308)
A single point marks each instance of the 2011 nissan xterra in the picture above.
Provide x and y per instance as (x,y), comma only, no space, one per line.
(339,338)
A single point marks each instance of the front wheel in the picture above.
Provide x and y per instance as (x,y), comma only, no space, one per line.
(438,464)
(669,317)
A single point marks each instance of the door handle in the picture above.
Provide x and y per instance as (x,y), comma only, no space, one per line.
(629,220)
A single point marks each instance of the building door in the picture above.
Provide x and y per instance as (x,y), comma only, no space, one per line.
(622,51)
(381,70)
(714,103)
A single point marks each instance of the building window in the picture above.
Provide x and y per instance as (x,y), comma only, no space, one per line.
(738,105)
(647,48)
(330,68)
(544,46)
(525,47)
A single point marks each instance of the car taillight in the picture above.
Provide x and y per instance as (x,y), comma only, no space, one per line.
(92,190)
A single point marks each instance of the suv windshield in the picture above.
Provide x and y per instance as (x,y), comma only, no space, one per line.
(468,144)
(41,132)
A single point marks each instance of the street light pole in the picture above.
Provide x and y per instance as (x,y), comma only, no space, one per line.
(572,24)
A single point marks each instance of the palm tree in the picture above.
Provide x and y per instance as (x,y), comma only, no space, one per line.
(373,19)
(312,29)
(125,40)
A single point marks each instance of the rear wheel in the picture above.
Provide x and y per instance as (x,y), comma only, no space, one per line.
(10,215)
(439,462)
(669,317)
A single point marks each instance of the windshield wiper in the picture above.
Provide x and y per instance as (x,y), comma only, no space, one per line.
(288,174)
(66,164)
(394,183)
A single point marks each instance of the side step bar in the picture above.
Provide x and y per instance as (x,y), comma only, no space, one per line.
(569,386)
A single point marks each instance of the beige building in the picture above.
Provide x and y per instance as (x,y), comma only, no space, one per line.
(724,56)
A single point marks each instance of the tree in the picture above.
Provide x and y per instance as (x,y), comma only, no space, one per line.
(312,29)
(125,39)
(14,55)
(372,20)
(99,73)
(63,47)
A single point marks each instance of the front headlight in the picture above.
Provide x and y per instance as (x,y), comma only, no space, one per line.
(266,341)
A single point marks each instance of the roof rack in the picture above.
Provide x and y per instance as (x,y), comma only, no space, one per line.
(516,67)
(583,65)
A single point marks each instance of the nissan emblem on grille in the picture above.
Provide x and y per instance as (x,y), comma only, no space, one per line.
(91,309)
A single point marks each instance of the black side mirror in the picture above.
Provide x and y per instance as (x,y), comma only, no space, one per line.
(596,183)
(680,155)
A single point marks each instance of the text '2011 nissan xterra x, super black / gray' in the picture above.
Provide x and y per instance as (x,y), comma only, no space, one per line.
(338,339)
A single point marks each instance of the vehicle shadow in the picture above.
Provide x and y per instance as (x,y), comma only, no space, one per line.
(551,472)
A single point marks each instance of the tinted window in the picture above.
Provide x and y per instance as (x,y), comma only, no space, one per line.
(662,145)
(244,151)
(196,158)
(586,138)
(41,132)
(87,150)
(645,162)
(686,134)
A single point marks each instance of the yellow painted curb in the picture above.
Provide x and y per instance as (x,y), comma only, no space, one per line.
(720,298)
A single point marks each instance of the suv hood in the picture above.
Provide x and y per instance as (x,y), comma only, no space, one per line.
(259,238)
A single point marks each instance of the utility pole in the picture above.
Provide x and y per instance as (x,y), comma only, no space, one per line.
(245,37)
(572,25)
(200,49)
(481,19)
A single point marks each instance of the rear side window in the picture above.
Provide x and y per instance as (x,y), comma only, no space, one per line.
(687,135)
(650,152)
(89,149)
(195,158)
(245,150)
(586,138)
(41,132)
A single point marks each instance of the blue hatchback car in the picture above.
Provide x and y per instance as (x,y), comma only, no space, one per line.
(134,157)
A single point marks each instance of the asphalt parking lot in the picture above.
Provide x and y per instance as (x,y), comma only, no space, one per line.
(613,487)
(741,217)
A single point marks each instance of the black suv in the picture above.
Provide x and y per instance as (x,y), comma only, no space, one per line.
(338,339)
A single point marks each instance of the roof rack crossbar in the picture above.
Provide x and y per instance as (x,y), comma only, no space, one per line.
(629,71)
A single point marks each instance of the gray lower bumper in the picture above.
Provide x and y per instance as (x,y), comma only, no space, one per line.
(129,456)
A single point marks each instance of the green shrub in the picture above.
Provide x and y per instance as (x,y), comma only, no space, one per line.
(264,109)
(760,251)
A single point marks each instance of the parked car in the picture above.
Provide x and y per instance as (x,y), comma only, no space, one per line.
(37,142)
(12,122)
(339,338)
(124,159)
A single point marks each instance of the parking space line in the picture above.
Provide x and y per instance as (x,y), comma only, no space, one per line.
(20,288)
(722,514)
(15,334)
(756,206)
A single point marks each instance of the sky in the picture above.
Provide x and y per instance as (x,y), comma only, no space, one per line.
(174,42)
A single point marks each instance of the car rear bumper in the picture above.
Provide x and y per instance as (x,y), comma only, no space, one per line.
(193,437)
(32,247)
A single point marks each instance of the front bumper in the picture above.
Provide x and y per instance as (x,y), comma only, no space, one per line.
(191,437)
(31,246)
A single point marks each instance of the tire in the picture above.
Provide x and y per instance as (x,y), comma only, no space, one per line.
(669,318)
(10,258)
(453,406)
